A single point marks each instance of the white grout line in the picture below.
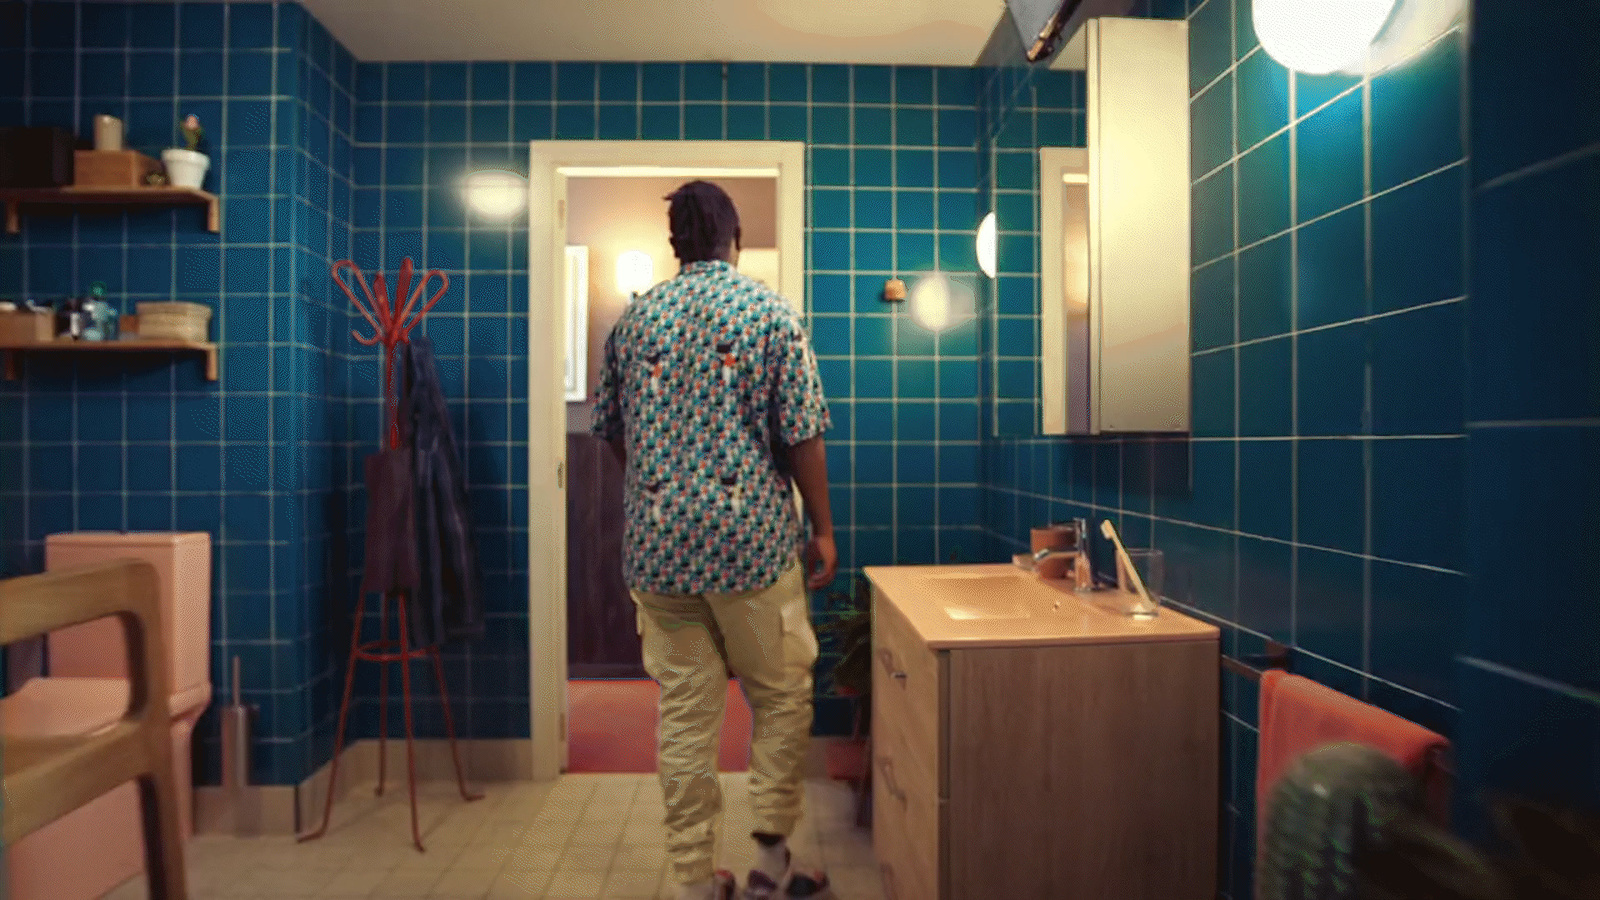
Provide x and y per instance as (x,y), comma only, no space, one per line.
(1360,320)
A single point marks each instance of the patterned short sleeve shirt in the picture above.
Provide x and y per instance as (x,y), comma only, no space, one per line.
(708,378)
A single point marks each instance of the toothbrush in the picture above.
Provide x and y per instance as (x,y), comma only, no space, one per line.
(1122,558)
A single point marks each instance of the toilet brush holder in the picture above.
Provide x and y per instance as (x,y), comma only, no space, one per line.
(236,760)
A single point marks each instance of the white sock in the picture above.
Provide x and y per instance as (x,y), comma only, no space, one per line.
(699,890)
(774,860)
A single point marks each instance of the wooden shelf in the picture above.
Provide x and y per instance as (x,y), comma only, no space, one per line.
(130,345)
(15,199)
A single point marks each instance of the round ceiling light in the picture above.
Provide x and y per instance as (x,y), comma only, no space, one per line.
(496,193)
(1317,37)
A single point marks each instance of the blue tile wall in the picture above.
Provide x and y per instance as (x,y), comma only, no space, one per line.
(1320,497)
(147,444)
(319,158)
(1529,682)
(891,159)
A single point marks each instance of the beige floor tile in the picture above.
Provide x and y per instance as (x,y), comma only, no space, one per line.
(597,834)
(640,856)
(355,883)
(547,834)
(836,853)
(856,883)
(644,833)
(523,841)
(484,856)
(404,885)
(534,858)
(514,883)
(465,883)
(435,860)
(282,882)
(597,858)
(576,881)
(626,885)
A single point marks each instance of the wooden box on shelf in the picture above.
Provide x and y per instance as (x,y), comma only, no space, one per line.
(26,328)
(112,168)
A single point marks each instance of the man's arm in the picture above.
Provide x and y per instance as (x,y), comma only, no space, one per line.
(800,416)
(620,448)
(809,461)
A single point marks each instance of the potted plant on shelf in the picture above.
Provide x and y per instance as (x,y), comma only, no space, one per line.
(186,168)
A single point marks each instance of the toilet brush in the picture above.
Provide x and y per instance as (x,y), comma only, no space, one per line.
(236,754)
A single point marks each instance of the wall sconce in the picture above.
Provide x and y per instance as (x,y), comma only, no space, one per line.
(938,301)
(636,272)
(496,193)
(987,241)
(1353,37)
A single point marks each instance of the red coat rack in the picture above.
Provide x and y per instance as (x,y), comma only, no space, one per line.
(390,328)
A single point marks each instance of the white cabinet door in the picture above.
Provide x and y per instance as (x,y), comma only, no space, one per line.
(1114,241)
(1139,214)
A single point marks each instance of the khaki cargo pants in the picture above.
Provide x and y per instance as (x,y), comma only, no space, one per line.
(690,642)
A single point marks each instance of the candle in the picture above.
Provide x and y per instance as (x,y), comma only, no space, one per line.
(107,133)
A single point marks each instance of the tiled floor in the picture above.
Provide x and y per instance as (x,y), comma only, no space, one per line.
(583,837)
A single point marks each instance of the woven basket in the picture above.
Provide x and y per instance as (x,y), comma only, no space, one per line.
(174,321)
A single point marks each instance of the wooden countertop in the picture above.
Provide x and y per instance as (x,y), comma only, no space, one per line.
(1004,605)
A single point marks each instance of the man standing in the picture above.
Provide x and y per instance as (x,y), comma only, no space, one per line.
(710,397)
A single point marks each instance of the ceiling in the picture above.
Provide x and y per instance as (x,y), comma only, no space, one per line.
(895,32)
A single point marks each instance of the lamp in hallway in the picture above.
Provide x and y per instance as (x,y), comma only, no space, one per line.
(636,272)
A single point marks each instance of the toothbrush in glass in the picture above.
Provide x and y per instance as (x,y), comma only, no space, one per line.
(1123,560)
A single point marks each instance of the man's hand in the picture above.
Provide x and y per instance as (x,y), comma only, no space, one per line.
(822,562)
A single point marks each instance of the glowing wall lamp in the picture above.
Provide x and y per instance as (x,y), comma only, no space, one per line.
(496,193)
(636,271)
(986,245)
(1354,37)
(939,301)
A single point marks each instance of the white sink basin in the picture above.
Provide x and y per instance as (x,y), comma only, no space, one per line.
(982,595)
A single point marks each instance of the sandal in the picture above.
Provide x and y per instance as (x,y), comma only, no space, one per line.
(795,886)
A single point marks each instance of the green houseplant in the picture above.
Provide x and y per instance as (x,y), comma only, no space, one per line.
(851,633)
(187,166)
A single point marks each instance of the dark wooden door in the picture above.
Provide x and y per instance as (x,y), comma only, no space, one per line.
(602,634)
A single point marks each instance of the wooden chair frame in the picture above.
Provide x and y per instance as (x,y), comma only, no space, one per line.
(45,778)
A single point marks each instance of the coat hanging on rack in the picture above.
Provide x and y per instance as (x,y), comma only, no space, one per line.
(447,603)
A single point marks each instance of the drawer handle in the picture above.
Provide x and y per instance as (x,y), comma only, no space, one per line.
(890,889)
(887,659)
(887,766)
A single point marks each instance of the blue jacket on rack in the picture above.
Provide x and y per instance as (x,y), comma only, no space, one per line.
(447,603)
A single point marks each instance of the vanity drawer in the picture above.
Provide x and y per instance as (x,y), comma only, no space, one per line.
(906,686)
(906,821)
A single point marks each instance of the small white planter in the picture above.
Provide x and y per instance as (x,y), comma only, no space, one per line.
(185,168)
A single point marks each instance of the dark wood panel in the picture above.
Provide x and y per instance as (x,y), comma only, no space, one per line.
(602,636)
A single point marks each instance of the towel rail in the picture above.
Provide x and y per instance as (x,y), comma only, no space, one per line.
(1253,666)
(1276,657)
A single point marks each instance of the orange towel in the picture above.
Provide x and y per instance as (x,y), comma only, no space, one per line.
(1298,714)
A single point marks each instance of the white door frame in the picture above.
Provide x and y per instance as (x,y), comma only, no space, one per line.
(549,165)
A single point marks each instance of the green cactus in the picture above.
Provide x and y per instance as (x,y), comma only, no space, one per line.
(1333,804)
(192,132)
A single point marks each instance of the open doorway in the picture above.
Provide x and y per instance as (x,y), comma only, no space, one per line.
(591,203)
(617,249)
